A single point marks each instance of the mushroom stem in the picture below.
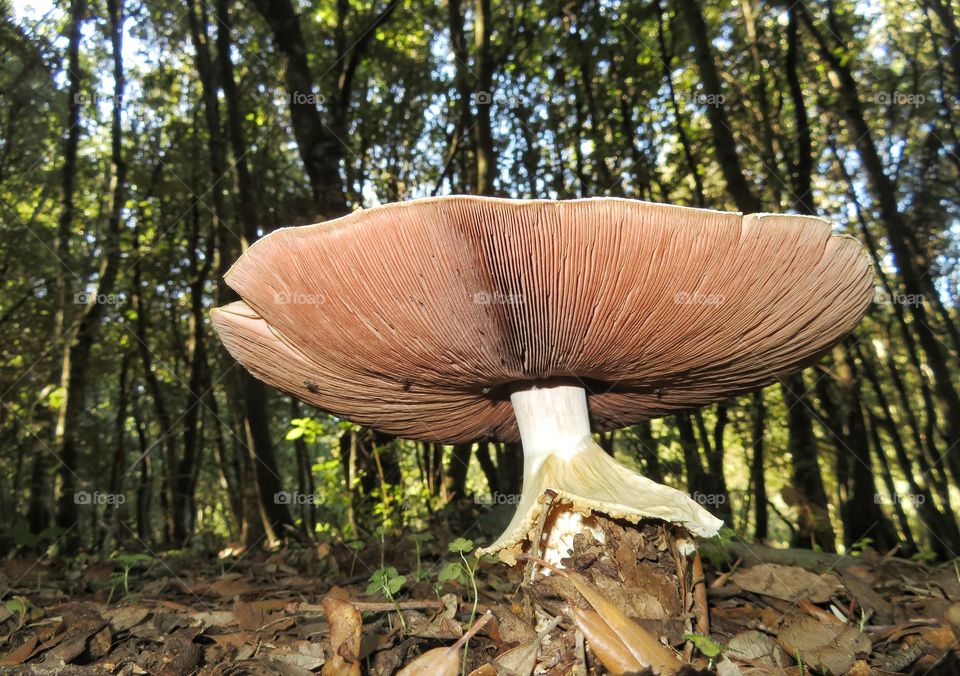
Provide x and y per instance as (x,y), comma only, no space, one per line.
(559,454)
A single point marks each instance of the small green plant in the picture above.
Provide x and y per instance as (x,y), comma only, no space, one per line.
(308,429)
(418,540)
(18,606)
(128,560)
(35,541)
(858,547)
(706,646)
(387,581)
(463,571)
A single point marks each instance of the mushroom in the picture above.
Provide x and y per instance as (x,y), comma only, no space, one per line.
(459,318)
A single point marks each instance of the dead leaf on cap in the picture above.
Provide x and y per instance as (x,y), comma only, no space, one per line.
(830,648)
(345,624)
(789,583)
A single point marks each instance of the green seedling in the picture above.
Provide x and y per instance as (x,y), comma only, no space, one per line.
(387,581)
(463,571)
(128,561)
(418,541)
(706,646)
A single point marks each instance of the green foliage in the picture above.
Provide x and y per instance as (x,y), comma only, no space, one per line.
(460,545)
(583,105)
(128,560)
(387,581)
(35,541)
(308,429)
(705,645)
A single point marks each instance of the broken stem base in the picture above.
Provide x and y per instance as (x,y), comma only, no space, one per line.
(560,455)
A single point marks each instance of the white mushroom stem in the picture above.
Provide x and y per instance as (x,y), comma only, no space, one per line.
(559,454)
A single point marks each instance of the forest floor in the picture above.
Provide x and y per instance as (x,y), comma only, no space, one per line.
(336,610)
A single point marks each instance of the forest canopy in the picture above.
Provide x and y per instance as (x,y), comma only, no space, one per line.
(143,148)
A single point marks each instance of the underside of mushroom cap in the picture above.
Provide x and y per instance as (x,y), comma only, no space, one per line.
(420,318)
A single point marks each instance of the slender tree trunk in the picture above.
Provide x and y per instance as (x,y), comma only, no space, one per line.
(864,518)
(813,523)
(906,253)
(144,493)
(723,140)
(184,498)
(320,151)
(119,461)
(648,451)
(697,482)
(76,364)
(41,486)
(483,64)
(757,475)
(254,416)
(465,122)
(910,546)
(455,480)
(488,467)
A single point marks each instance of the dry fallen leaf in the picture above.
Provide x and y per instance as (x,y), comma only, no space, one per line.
(443,661)
(248,616)
(789,583)
(20,654)
(522,659)
(642,645)
(831,648)
(345,624)
(609,648)
(125,617)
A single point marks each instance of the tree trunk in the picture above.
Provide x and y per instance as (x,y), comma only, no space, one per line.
(757,475)
(252,407)
(863,517)
(320,151)
(909,260)
(647,451)
(41,486)
(76,364)
(488,467)
(810,498)
(483,64)
(455,480)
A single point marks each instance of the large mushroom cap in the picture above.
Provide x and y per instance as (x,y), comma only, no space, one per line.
(418,318)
